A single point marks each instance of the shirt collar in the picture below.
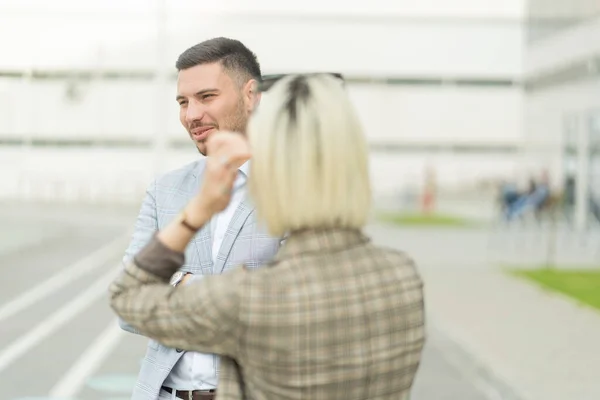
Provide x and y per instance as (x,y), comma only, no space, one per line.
(245,168)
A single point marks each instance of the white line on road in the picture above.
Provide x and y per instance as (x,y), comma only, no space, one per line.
(95,260)
(57,319)
(70,384)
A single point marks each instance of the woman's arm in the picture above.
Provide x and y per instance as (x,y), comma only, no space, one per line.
(201,316)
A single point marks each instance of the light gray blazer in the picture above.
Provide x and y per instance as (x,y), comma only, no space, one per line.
(245,242)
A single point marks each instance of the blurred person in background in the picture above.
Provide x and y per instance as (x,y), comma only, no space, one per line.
(332,316)
(216,89)
(533,200)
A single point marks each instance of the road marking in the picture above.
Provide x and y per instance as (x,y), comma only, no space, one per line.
(86,265)
(115,384)
(70,384)
(57,319)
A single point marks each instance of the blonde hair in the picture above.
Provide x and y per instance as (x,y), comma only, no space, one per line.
(309,166)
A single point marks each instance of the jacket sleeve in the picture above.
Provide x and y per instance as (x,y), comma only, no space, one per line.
(202,316)
(146,226)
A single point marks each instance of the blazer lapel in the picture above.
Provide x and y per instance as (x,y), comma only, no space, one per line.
(202,251)
(201,244)
(240,216)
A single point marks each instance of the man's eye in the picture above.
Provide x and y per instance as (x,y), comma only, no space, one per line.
(182,103)
(207,96)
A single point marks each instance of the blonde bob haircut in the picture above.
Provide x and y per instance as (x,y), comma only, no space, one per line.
(309,165)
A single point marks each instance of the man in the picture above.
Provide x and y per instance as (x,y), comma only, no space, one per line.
(216,90)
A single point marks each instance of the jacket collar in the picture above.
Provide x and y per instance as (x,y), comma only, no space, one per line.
(315,241)
(201,164)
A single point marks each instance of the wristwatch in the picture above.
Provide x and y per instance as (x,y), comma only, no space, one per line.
(182,219)
(177,278)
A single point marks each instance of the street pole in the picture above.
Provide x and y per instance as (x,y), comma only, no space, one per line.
(583,176)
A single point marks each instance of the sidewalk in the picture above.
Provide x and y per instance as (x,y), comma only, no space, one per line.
(542,345)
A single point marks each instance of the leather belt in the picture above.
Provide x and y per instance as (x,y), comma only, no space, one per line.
(193,394)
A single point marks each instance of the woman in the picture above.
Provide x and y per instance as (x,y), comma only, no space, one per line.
(332,316)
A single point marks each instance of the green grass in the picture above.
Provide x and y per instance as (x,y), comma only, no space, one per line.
(418,219)
(581,285)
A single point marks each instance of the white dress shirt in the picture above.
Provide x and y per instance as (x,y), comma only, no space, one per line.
(195,371)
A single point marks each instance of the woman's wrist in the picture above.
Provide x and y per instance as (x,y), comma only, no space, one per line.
(181,230)
(196,213)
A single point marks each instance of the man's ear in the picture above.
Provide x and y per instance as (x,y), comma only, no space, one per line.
(251,95)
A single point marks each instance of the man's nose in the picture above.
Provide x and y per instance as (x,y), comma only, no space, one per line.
(195,112)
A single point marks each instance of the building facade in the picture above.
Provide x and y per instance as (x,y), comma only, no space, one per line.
(562,106)
(437,85)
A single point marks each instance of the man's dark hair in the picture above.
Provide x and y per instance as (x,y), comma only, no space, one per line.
(233,55)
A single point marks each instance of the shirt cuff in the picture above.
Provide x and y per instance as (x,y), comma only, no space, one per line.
(158,259)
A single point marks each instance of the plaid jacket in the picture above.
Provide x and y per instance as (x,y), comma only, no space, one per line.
(331,317)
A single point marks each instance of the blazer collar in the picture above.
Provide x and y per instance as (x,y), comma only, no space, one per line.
(315,241)
(199,169)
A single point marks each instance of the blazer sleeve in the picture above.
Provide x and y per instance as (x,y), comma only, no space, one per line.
(146,225)
(202,316)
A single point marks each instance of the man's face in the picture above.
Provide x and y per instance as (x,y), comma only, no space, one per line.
(210,100)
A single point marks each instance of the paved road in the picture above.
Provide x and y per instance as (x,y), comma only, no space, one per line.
(59,339)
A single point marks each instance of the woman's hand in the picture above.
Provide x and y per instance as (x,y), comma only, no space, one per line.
(227,152)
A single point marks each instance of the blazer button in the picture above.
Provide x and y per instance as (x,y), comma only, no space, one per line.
(179,350)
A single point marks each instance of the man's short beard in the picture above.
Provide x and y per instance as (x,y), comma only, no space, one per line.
(238,122)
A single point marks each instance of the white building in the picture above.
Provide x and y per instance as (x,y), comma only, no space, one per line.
(562,109)
(86,98)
